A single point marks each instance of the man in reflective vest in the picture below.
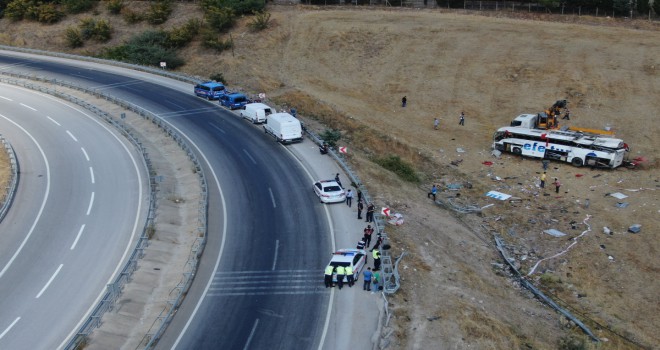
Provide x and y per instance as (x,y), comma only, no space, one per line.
(349,275)
(376,255)
(340,276)
(329,270)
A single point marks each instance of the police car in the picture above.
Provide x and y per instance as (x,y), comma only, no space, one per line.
(355,258)
(329,191)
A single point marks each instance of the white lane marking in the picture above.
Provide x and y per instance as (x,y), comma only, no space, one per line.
(43,202)
(49,281)
(334,248)
(272,198)
(223,240)
(6,98)
(249,339)
(277,247)
(136,222)
(54,121)
(217,128)
(73,246)
(249,156)
(10,327)
(91,173)
(26,106)
(73,137)
(91,202)
(85,153)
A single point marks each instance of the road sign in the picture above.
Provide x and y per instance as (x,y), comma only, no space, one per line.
(385,211)
(342,149)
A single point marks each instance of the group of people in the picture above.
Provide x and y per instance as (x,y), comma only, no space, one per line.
(360,202)
(555,182)
(341,271)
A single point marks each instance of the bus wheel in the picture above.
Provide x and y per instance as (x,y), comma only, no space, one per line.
(517,150)
(577,162)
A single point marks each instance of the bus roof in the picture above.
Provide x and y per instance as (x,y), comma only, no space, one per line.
(574,136)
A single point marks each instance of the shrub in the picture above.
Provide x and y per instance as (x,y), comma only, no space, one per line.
(239,7)
(148,48)
(220,18)
(132,17)
(260,21)
(78,6)
(181,36)
(218,77)
(100,30)
(330,137)
(18,9)
(159,12)
(572,343)
(73,37)
(656,7)
(402,169)
(48,13)
(115,6)
(211,40)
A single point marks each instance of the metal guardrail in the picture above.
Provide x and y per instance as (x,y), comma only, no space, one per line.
(114,289)
(10,190)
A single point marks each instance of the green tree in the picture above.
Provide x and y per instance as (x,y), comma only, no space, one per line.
(220,18)
(656,7)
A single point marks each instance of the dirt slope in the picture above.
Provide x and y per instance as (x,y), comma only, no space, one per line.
(350,68)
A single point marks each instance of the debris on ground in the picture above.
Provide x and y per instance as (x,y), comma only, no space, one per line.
(498,195)
(395,219)
(635,228)
(496,153)
(622,204)
(607,231)
(617,195)
(554,233)
(456,162)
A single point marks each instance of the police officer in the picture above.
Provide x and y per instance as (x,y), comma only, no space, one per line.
(376,255)
(341,272)
(349,275)
(329,270)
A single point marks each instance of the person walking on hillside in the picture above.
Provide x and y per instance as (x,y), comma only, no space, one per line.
(434,191)
(436,123)
(404,101)
(368,275)
(329,270)
(461,119)
(368,231)
(543,180)
(370,212)
(349,198)
(557,185)
(341,272)
(360,206)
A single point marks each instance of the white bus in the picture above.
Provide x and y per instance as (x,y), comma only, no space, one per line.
(574,147)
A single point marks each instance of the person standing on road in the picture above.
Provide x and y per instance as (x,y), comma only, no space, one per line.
(436,123)
(434,191)
(461,119)
(375,280)
(379,240)
(360,206)
(368,275)
(349,198)
(337,180)
(370,212)
(349,275)
(543,180)
(359,195)
(557,185)
(329,270)
(376,255)
(368,231)
(341,272)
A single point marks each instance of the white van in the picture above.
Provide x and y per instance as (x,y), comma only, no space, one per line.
(256,112)
(285,127)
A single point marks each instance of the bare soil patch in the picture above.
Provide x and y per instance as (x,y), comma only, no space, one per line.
(348,69)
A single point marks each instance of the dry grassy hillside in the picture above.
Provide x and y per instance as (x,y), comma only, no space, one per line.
(350,68)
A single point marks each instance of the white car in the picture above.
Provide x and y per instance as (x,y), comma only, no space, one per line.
(356,258)
(329,191)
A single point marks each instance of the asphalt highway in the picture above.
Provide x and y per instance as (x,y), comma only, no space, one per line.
(61,241)
(259,283)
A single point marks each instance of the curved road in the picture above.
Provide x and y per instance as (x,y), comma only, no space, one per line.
(60,243)
(258,285)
